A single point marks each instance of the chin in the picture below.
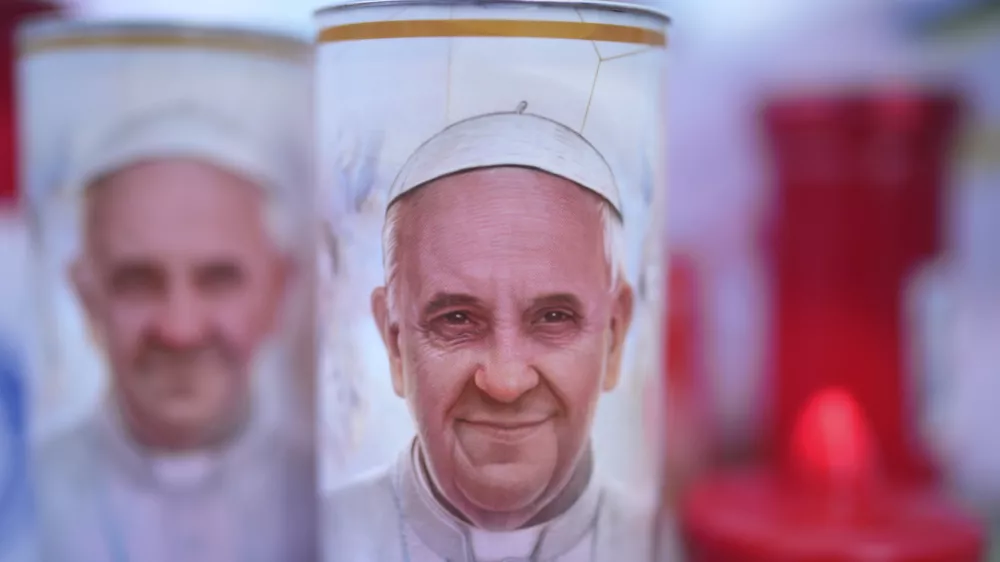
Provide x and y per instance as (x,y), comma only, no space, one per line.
(504,490)
(206,409)
(189,422)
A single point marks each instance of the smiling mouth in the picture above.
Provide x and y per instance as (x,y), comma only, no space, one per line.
(511,431)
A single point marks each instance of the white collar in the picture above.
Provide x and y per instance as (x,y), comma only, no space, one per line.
(457,541)
(190,471)
(492,545)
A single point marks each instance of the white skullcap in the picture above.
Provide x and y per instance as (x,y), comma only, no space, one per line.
(509,139)
(178,130)
(237,100)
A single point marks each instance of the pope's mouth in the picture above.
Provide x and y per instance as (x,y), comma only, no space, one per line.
(510,431)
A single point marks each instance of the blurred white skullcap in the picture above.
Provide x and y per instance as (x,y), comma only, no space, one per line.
(182,130)
(239,100)
(509,139)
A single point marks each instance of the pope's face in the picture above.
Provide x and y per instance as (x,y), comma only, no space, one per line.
(504,331)
(182,283)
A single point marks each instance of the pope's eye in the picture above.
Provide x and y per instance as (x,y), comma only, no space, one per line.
(456,318)
(554,316)
(456,327)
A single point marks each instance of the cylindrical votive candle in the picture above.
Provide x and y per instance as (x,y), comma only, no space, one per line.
(493,174)
(168,168)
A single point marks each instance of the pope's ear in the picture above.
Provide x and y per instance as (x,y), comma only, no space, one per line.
(84,282)
(621,320)
(285,273)
(388,328)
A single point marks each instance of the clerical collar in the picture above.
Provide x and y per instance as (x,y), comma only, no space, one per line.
(457,541)
(182,471)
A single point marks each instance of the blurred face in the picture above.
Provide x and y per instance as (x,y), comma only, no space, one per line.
(504,331)
(182,283)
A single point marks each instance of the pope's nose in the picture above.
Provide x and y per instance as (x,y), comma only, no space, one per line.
(182,320)
(506,382)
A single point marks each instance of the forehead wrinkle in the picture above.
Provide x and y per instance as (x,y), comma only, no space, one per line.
(410,244)
(411,212)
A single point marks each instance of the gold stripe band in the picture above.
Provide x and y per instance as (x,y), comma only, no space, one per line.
(254,45)
(526,29)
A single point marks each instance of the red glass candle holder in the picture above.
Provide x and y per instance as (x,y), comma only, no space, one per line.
(858,187)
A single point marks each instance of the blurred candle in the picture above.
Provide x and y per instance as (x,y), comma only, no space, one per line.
(15,510)
(833,505)
(859,179)
(688,439)
(859,189)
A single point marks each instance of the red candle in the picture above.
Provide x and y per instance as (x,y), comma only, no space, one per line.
(833,505)
(858,187)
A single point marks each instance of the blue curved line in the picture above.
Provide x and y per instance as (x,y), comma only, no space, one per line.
(16,509)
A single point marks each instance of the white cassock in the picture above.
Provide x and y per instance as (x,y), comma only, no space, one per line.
(101,498)
(393,516)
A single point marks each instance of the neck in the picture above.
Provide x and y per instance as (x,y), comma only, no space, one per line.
(570,493)
(162,438)
(562,502)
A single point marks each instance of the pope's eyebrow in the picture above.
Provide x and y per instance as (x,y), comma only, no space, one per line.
(442,301)
(566,299)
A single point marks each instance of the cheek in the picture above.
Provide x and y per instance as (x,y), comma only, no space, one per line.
(126,325)
(576,376)
(238,324)
(242,317)
(434,379)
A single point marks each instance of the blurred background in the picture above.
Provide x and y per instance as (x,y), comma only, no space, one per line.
(834,225)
